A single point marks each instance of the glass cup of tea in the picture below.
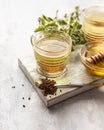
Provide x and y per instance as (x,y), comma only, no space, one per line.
(52,51)
(93,24)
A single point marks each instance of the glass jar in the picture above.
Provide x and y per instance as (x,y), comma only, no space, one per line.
(92,57)
(52,51)
(93,24)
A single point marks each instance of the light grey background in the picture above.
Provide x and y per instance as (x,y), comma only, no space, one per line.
(18,18)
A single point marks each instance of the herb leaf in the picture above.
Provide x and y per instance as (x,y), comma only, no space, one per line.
(70,24)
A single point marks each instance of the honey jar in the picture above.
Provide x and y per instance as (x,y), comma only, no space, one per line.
(92,57)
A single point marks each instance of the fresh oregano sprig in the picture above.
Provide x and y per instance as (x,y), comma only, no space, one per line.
(70,24)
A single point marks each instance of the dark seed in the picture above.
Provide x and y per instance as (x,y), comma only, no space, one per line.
(29,98)
(22,84)
(24,106)
(13,86)
(60,90)
(23,98)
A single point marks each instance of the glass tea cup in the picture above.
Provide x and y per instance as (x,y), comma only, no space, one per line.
(93,24)
(52,51)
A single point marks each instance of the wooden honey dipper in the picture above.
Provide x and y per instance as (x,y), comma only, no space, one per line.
(97,58)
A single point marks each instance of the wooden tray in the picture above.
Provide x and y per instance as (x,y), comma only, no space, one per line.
(76,74)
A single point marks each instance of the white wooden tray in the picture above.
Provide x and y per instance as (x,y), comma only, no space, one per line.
(76,74)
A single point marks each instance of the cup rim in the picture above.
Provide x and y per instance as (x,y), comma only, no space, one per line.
(68,40)
(88,11)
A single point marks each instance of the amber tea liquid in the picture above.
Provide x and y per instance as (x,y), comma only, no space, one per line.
(52,55)
(93,24)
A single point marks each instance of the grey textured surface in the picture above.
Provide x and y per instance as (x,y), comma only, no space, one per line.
(18,18)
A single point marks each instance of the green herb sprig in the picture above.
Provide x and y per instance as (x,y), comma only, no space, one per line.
(70,24)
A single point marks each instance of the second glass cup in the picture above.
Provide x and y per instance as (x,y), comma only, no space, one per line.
(52,51)
(93,24)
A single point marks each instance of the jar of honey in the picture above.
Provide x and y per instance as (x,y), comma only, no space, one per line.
(93,24)
(92,57)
